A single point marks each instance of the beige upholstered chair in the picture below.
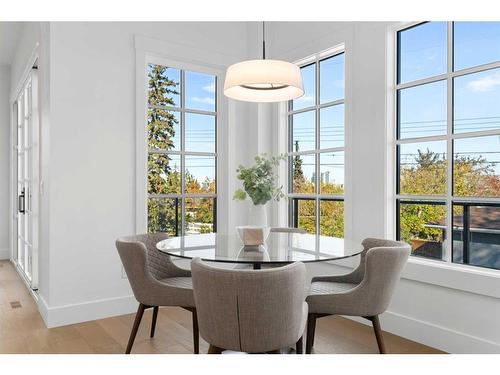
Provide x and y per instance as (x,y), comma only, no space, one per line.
(250,311)
(365,292)
(155,280)
(288,230)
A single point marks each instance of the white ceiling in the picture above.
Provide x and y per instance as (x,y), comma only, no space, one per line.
(9,33)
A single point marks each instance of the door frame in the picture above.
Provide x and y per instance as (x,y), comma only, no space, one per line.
(35,193)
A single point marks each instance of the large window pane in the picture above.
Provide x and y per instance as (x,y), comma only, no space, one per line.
(199,215)
(304,173)
(331,219)
(476,167)
(331,127)
(163,86)
(332,173)
(475,43)
(303,131)
(200,91)
(422,51)
(175,138)
(199,132)
(331,82)
(304,214)
(477,101)
(309,80)
(163,130)
(164,215)
(422,110)
(164,175)
(476,235)
(423,226)
(422,168)
(200,174)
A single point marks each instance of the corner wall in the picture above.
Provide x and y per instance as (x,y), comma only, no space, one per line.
(4,161)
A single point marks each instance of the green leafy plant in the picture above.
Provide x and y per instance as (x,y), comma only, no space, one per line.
(260,180)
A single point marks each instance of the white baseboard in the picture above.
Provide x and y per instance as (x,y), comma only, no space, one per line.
(4,254)
(432,335)
(82,312)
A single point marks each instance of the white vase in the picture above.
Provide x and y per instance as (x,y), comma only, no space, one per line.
(258,215)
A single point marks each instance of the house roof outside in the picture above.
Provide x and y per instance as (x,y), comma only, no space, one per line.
(481,217)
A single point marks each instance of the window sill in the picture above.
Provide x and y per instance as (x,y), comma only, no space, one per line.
(455,276)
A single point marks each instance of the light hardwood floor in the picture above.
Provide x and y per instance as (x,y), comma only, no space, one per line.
(23,331)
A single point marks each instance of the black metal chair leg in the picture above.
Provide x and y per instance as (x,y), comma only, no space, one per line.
(135,327)
(153,322)
(311,327)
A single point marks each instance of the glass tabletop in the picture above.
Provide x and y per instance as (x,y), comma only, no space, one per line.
(279,248)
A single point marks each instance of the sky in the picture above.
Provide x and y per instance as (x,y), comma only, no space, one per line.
(423,109)
(199,129)
(331,118)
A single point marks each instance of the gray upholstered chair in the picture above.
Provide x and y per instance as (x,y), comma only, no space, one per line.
(364,292)
(155,280)
(288,230)
(250,311)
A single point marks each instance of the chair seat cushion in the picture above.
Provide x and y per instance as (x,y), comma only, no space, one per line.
(327,287)
(178,282)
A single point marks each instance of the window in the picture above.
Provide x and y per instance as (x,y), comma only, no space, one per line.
(316,149)
(182,151)
(448,141)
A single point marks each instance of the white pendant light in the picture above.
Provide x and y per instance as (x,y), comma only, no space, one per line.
(263,80)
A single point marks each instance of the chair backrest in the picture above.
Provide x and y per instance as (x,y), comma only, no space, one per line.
(384,264)
(288,230)
(143,262)
(247,310)
(359,272)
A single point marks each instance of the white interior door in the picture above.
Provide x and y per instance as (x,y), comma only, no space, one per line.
(25,114)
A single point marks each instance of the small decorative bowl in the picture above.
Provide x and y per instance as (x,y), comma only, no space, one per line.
(253,235)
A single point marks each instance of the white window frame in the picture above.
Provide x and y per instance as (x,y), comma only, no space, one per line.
(285,212)
(149,51)
(393,142)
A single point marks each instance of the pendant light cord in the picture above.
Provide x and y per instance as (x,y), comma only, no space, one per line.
(263,41)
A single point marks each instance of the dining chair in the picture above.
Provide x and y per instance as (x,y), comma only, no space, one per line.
(155,280)
(288,230)
(364,292)
(250,311)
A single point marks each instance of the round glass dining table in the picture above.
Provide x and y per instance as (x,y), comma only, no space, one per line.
(279,249)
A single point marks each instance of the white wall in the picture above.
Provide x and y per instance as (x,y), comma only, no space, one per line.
(92,155)
(453,310)
(4,161)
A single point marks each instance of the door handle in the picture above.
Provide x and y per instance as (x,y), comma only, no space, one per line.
(21,202)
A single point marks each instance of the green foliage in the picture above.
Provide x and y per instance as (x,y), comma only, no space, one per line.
(426,177)
(332,218)
(259,180)
(471,177)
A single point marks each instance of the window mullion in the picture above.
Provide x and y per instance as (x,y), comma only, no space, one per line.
(318,178)
(183,157)
(449,150)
